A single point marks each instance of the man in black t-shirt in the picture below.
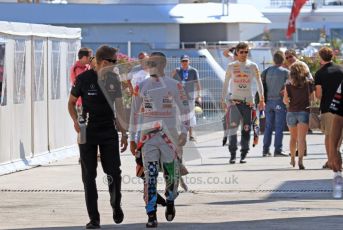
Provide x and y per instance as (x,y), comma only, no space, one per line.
(100,91)
(335,159)
(327,80)
(336,106)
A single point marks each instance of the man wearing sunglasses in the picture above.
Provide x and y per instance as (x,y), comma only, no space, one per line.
(238,100)
(189,77)
(100,92)
(291,57)
(80,66)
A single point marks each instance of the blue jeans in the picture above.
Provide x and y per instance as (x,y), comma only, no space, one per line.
(275,118)
(294,118)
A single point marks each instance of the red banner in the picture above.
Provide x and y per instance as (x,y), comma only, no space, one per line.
(297,5)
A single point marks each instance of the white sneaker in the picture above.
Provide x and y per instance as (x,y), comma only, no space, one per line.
(337,187)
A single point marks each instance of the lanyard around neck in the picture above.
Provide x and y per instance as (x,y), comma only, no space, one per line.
(184,74)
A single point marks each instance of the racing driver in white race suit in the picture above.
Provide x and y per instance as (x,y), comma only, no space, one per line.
(154,115)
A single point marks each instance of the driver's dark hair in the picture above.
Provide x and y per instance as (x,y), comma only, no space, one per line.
(159,54)
(241,46)
(105,52)
(84,52)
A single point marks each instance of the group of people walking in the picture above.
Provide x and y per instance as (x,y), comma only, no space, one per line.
(287,89)
(158,127)
(162,117)
(297,92)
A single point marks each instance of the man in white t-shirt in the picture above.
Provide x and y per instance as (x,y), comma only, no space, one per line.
(139,72)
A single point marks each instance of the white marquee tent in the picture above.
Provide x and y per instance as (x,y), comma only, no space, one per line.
(35,127)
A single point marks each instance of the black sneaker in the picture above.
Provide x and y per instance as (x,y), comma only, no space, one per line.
(224,141)
(170,211)
(152,220)
(118,215)
(243,156)
(160,200)
(233,159)
(280,154)
(191,138)
(93,225)
(266,154)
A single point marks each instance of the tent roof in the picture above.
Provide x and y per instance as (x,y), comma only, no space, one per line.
(25,29)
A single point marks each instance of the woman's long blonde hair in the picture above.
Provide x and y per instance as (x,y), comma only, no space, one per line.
(298,74)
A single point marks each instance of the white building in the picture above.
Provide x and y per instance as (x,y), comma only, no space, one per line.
(159,24)
(319,24)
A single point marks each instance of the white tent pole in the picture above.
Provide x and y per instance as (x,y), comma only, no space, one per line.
(32,80)
(129,49)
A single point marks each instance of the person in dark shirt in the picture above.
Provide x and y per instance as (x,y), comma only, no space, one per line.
(336,106)
(327,80)
(298,95)
(98,113)
(335,159)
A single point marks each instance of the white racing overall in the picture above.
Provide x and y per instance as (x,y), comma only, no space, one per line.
(157,105)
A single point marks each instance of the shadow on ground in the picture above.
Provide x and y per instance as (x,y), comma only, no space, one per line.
(313,223)
(296,191)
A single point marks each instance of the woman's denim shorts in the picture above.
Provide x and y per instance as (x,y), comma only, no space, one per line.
(293,118)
